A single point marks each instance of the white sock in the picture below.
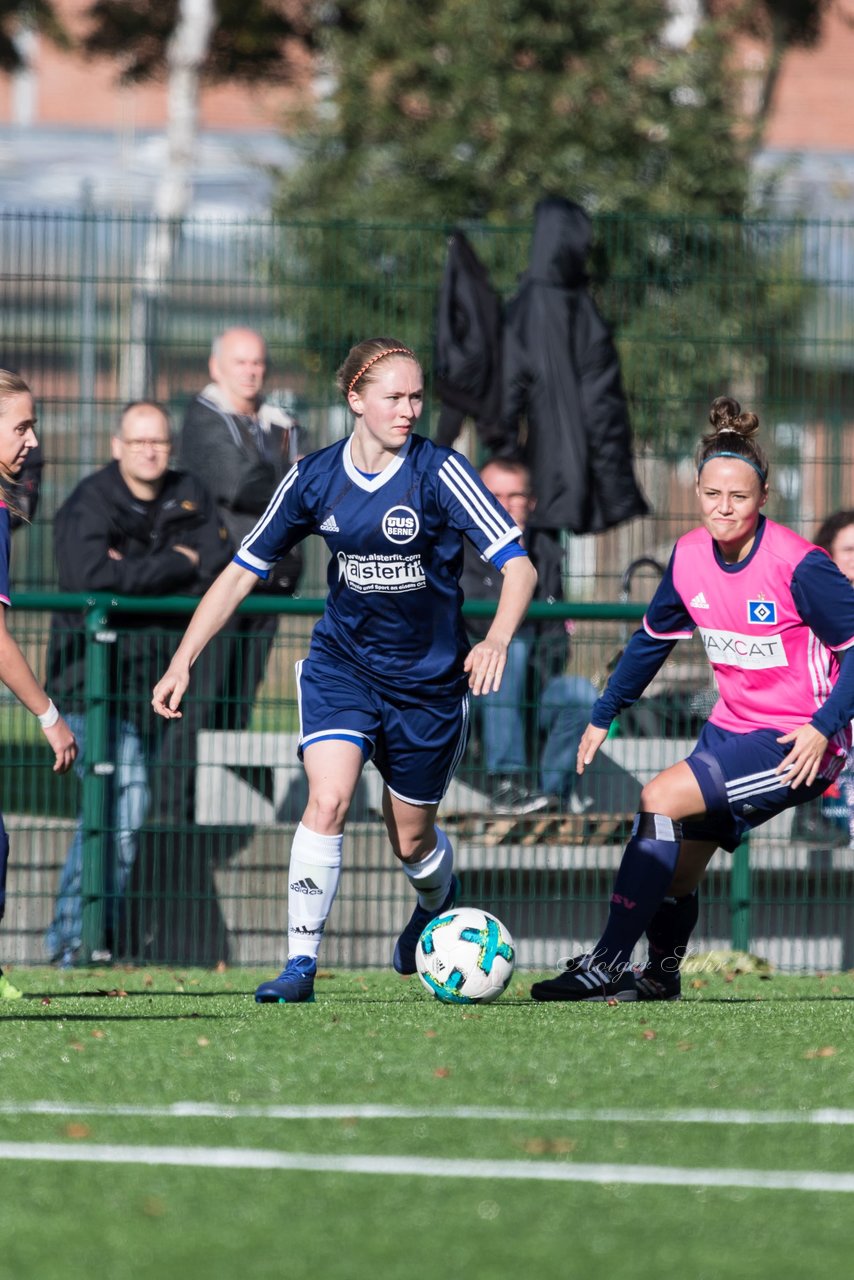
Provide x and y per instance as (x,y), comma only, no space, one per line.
(313,875)
(431,877)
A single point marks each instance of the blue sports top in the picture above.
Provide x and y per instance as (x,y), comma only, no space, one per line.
(396,543)
(5,543)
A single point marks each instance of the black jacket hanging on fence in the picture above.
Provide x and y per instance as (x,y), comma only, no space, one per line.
(563,406)
(468,346)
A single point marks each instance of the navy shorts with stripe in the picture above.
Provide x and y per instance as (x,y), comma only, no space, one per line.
(736,774)
(415,746)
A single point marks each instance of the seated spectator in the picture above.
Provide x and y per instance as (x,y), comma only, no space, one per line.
(241,447)
(537,698)
(132,528)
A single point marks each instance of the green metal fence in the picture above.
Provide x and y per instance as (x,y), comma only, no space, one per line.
(209,882)
(762,308)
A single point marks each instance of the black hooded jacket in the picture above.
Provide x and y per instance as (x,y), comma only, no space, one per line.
(102,515)
(561,376)
(467,364)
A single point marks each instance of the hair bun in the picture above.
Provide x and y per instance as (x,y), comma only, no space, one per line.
(726,415)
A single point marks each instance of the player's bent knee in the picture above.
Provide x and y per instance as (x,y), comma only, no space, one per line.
(326,812)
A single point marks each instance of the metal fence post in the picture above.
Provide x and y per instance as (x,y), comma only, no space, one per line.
(97,819)
(739,897)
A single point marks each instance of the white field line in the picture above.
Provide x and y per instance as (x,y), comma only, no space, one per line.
(831,1116)
(417,1166)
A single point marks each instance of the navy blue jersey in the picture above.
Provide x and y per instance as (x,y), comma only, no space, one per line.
(396,543)
(5,542)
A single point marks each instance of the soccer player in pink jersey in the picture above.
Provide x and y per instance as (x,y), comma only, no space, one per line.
(776,617)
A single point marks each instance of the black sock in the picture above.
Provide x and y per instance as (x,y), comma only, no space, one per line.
(642,880)
(669,932)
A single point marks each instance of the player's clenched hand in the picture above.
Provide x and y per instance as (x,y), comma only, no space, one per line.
(64,745)
(591,740)
(802,762)
(485,666)
(168,692)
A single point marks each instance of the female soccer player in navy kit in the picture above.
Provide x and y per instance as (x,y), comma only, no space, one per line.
(389,668)
(17,437)
(777,621)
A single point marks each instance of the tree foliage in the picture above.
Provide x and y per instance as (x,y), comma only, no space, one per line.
(466,112)
(36,14)
(249,41)
(469,109)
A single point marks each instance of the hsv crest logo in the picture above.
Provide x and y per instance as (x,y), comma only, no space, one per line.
(762,612)
(400,525)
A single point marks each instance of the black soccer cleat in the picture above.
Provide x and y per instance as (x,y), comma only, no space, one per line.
(584,980)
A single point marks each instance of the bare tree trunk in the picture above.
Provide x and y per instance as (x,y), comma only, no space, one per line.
(186,53)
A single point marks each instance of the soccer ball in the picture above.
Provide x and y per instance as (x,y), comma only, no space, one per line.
(465,956)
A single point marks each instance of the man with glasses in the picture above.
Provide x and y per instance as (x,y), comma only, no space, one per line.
(133,528)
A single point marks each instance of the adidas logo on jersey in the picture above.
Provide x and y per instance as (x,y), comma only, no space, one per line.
(330,525)
(305,886)
(699,601)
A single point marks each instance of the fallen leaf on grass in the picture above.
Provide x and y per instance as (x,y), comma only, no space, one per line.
(697,984)
(98,1034)
(203,1041)
(77,1130)
(649,1035)
(548,1146)
(153,1207)
(826,1051)
(431,1034)
(442,1072)
(684,1046)
(76,1046)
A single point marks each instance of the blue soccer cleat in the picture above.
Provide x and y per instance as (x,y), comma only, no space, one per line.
(404,951)
(294,985)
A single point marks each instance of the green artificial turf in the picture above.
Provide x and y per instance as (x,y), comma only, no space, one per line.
(588,1085)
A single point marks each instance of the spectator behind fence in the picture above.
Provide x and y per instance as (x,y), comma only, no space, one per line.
(535,679)
(17,439)
(777,621)
(836,536)
(134,528)
(389,668)
(241,447)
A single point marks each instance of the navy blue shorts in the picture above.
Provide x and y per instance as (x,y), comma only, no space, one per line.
(415,746)
(736,774)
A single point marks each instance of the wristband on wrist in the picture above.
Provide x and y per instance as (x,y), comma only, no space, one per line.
(48,718)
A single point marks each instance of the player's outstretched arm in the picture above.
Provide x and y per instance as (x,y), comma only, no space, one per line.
(486,661)
(17,675)
(212,613)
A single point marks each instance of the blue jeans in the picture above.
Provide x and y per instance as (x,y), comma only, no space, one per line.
(564,713)
(129,802)
(503,714)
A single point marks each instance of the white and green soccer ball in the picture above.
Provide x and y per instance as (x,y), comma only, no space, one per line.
(465,956)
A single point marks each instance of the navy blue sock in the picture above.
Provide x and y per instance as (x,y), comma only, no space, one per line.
(669,932)
(642,881)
